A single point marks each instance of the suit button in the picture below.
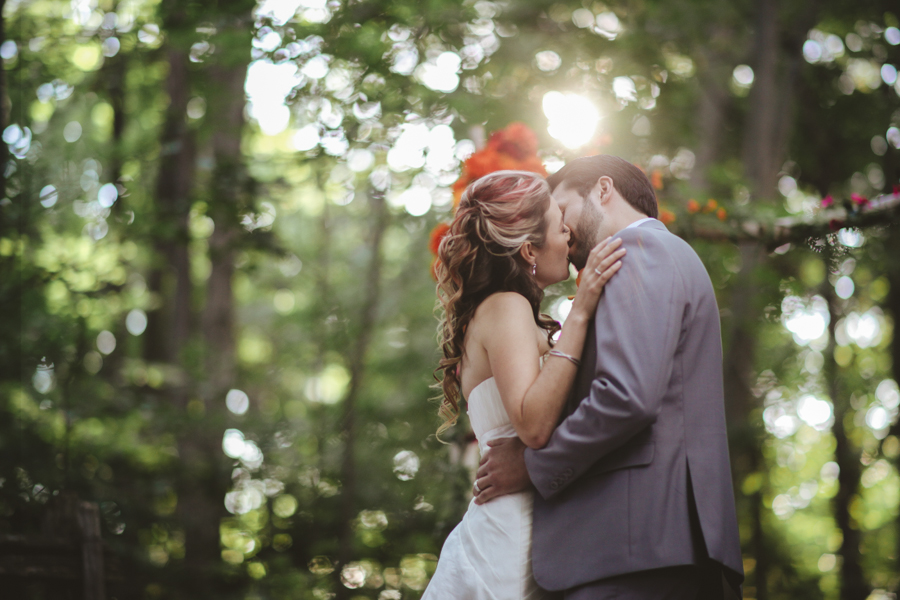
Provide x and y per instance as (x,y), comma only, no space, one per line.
(554,485)
(568,472)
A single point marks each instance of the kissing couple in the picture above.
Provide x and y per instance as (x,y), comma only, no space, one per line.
(605,470)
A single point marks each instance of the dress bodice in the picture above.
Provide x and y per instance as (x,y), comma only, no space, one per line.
(488,555)
(487,414)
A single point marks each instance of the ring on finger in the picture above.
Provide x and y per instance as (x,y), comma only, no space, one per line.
(598,271)
(477,489)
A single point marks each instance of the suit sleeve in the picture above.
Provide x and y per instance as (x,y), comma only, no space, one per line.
(638,324)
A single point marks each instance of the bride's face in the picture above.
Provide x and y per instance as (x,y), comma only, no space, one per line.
(552,257)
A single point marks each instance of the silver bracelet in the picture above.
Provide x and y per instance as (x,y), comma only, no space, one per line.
(574,360)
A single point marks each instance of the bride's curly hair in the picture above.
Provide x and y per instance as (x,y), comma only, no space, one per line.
(479,256)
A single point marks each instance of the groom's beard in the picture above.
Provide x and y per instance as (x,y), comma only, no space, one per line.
(587,234)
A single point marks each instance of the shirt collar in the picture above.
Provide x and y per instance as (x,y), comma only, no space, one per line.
(640,222)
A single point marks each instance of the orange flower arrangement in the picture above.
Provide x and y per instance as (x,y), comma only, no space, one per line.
(434,241)
(437,234)
(711,206)
(513,148)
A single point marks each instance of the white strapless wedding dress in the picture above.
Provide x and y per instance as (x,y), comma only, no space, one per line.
(488,555)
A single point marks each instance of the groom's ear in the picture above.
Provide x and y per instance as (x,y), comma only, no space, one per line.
(604,189)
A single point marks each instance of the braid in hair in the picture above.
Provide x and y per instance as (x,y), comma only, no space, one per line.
(478,257)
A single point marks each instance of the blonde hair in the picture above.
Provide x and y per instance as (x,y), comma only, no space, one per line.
(479,256)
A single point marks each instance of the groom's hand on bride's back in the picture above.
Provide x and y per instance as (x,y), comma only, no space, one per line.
(502,470)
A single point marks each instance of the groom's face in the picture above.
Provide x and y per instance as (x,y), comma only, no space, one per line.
(584,218)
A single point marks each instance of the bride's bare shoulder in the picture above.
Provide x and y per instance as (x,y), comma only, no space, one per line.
(501,312)
(503,303)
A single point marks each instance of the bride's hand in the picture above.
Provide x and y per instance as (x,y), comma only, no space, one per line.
(602,264)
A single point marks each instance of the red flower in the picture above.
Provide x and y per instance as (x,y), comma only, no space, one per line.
(437,234)
(827,201)
(511,148)
(656,179)
(721,214)
(515,140)
(693,206)
(858,200)
(897,190)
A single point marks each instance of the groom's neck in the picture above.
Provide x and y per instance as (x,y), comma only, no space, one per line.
(624,218)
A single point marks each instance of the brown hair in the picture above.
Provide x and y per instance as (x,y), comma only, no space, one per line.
(582,175)
(479,256)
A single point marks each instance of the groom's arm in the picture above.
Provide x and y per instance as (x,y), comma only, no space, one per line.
(638,325)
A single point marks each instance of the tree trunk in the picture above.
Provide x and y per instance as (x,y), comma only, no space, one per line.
(168,327)
(744,435)
(229,182)
(847,456)
(760,135)
(713,104)
(356,362)
(766,134)
(205,477)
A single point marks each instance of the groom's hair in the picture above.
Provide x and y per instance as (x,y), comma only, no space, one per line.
(582,174)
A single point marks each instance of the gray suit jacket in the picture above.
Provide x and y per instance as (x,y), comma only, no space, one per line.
(641,451)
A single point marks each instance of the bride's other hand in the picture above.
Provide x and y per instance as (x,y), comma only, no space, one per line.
(502,470)
(603,262)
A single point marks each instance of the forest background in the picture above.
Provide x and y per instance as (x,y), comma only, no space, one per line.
(217,305)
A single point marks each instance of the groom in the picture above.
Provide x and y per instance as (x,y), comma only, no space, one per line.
(634,488)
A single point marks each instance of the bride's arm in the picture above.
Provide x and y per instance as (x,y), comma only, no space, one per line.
(534,397)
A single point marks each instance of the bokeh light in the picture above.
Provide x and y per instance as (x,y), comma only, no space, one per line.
(548,60)
(136,321)
(852,238)
(814,411)
(863,329)
(106,342)
(844,287)
(572,118)
(267,87)
(406,465)
(743,76)
(107,195)
(237,401)
(807,321)
(441,73)
(72,131)
(48,196)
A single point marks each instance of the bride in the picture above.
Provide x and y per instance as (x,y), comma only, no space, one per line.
(507,243)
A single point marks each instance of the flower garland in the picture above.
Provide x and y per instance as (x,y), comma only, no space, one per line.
(513,148)
(853,208)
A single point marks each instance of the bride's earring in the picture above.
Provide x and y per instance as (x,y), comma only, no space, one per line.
(534,270)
